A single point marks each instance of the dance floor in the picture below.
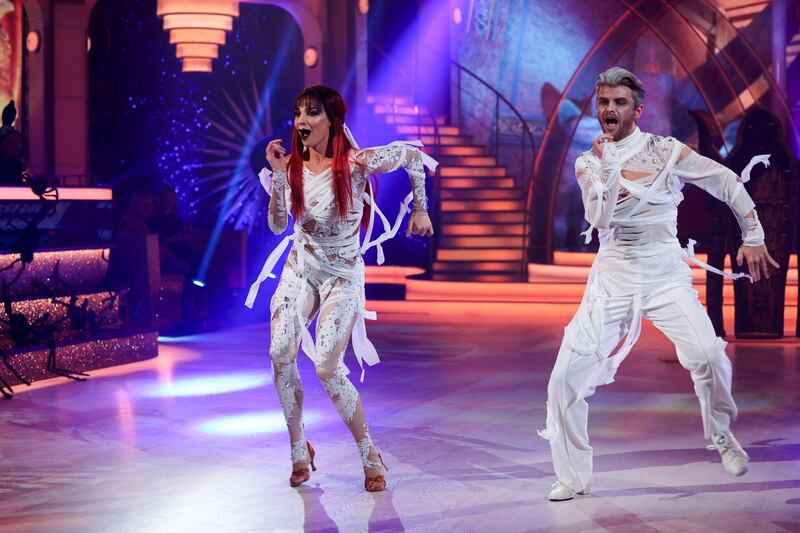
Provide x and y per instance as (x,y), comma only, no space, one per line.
(194,440)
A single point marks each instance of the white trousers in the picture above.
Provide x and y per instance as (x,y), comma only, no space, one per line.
(585,361)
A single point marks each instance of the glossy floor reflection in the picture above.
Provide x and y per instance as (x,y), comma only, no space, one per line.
(194,440)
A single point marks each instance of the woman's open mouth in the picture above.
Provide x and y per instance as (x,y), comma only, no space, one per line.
(304,133)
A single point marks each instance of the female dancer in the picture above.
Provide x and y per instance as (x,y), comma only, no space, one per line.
(324,183)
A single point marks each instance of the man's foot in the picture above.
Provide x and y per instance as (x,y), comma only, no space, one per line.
(734,458)
(561,492)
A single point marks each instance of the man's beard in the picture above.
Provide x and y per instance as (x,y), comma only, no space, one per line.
(618,130)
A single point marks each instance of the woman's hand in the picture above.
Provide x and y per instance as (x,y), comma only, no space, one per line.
(419,224)
(758,260)
(276,155)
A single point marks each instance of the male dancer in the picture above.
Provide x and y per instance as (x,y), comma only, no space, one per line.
(631,183)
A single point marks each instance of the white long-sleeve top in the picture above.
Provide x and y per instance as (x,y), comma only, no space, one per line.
(325,242)
(644,211)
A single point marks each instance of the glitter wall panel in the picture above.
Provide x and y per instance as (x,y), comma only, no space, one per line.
(79,271)
(66,317)
(84,357)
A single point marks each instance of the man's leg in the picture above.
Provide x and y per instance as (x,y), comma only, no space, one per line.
(680,316)
(589,339)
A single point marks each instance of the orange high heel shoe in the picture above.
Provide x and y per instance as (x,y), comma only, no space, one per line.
(302,475)
(376,483)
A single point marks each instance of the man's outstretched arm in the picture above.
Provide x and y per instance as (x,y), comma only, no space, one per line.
(723,184)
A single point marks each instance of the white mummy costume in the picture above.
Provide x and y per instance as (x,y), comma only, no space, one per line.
(639,272)
(324,275)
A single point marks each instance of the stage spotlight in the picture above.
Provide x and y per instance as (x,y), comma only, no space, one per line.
(199,282)
(457,15)
(310,57)
(33,42)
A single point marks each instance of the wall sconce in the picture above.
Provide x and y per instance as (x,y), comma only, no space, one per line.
(311,57)
(33,42)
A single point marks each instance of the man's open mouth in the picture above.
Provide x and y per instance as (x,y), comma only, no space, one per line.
(611,121)
(304,133)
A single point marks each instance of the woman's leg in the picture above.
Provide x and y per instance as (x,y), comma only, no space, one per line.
(285,329)
(338,310)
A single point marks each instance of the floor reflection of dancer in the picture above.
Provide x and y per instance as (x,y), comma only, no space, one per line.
(324,184)
(631,183)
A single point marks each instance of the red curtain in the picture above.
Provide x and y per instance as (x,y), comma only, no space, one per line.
(10,52)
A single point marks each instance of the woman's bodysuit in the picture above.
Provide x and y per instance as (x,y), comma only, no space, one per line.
(324,275)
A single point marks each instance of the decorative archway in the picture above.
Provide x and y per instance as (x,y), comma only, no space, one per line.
(310,30)
(683,40)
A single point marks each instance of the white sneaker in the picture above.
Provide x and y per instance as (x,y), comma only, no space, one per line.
(734,458)
(561,492)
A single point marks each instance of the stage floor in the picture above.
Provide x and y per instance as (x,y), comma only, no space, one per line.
(194,440)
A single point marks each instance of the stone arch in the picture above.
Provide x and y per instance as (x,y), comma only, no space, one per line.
(609,47)
(310,30)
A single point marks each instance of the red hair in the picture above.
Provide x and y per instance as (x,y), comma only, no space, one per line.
(338,149)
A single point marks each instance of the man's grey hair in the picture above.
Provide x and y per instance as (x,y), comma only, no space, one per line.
(616,76)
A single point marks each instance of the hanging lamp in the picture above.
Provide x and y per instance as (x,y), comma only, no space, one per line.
(197,28)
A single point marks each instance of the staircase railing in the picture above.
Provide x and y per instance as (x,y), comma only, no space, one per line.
(527,146)
(518,156)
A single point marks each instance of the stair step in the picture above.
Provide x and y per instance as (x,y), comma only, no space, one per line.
(481,194)
(506,277)
(468,183)
(459,241)
(412,119)
(389,109)
(442,140)
(481,229)
(479,254)
(468,161)
(483,205)
(447,171)
(477,266)
(388,99)
(462,150)
(428,130)
(494,217)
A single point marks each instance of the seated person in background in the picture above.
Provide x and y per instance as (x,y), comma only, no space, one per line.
(177,257)
(12,167)
(138,216)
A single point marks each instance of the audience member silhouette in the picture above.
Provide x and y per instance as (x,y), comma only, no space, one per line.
(12,167)
(760,307)
(137,218)
(177,257)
